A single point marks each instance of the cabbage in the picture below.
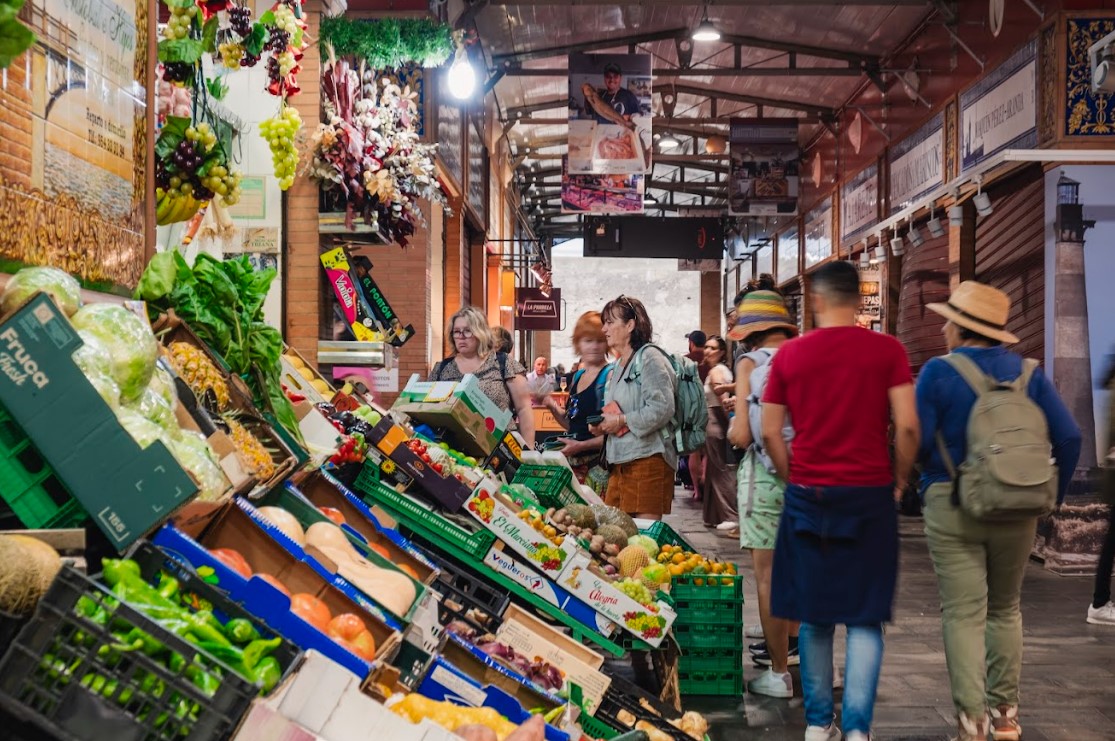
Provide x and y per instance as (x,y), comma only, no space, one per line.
(61,286)
(154,408)
(162,383)
(130,343)
(106,387)
(193,453)
(143,431)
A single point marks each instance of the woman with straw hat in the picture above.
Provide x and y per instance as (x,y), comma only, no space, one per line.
(763,324)
(980,564)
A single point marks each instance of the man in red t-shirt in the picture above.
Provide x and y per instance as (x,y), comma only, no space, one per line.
(836,554)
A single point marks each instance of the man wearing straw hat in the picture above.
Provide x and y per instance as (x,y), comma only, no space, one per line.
(980,562)
(836,551)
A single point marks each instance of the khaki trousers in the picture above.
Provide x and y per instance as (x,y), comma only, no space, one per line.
(980,566)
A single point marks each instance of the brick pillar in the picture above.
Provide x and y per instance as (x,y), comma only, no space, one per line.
(454,288)
(15,125)
(962,248)
(302,276)
(711,302)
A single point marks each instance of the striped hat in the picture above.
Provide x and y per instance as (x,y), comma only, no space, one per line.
(759,311)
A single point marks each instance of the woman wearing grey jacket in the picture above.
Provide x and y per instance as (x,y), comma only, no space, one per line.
(638,406)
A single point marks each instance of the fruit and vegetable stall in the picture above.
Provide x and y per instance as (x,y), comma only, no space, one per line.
(204,539)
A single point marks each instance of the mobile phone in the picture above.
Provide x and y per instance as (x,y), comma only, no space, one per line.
(555,444)
(595,419)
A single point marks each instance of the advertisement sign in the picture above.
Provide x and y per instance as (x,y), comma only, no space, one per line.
(916,164)
(818,233)
(859,203)
(535,311)
(600,194)
(870,314)
(1000,111)
(764,173)
(610,114)
(652,236)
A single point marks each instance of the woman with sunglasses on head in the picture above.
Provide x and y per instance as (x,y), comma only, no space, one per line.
(639,400)
(720,474)
(501,378)
(586,395)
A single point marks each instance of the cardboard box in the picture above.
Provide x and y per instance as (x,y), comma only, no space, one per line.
(518,571)
(507,456)
(472,420)
(234,529)
(402,467)
(603,596)
(531,637)
(264,722)
(500,515)
(486,670)
(127,491)
(299,384)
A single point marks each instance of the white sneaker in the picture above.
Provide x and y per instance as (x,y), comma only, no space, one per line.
(822,733)
(728,525)
(753,631)
(772,685)
(857,736)
(1102,615)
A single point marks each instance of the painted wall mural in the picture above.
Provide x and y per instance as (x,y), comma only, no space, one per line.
(1086,113)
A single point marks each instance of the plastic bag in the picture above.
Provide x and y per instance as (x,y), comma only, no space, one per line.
(130,343)
(193,453)
(61,286)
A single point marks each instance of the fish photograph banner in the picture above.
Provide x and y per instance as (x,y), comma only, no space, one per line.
(610,114)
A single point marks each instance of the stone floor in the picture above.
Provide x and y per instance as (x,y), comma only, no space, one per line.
(1068,680)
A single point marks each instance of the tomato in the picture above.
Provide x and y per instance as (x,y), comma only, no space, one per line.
(312,610)
(232,559)
(334,515)
(274,582)
(380,550)
(436,467)
(346,626)
(364,646)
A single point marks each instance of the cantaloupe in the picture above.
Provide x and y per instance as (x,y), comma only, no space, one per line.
(632,559)
(27,568)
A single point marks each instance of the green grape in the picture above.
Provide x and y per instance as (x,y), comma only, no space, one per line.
(279,132)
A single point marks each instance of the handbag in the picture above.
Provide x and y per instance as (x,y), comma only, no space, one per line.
(597,476)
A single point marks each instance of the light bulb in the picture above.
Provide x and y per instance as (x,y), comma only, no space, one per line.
(668,142)
(462,78)
(705,31)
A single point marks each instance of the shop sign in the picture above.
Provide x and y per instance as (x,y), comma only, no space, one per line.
(870,315)
(764,173)
(600,194)
(1000,111)
(610,113)
(533,311)
(859,203)
(818,233)
(916,164)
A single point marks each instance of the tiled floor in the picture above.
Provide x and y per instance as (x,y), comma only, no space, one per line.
(1068,681)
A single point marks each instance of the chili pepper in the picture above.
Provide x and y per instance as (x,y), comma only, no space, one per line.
(256,650)
(168,585)
(117,569)
(125,696)
(202,626)
(176,662)
(202,679)
(110,688)
(138,639)
(267,673)
(241,631)
(230,655)
(93,682)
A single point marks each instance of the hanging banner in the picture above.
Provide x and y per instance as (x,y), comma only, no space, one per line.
(534,311)
(765,167)
(870,314)
(1000,111)
(818,233)
(610,114)
(916,165)
(859,203)
(600,194)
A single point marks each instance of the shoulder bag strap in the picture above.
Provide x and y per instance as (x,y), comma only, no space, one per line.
(439,368)
(969,371)
(1022,383)
(501,358)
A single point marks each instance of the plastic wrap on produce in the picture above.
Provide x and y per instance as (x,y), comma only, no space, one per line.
(61,286)
(129,340)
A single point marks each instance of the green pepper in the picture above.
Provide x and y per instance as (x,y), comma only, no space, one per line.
(230,655)
(168,585)
(256,650)
(207,628)
(241,631)
(203,680)
(110,688)
(138,639)
(94,682)
(142,595)
(152,686)
(267,673)
(118,569)
(176,662)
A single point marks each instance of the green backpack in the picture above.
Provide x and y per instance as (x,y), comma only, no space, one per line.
(1009,473)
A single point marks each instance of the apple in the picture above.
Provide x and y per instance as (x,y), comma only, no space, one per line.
(364,646)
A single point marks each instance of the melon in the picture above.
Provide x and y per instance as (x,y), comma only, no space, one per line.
(27,568)
(582,515)
(631,560)
(613,535)
(606,515)
(645,542)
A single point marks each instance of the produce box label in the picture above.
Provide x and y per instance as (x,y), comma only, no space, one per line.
(506,564)
(508,455)
(467,389)
(127,491)
(650,625)
(403,466)
(502,517)
(529,643)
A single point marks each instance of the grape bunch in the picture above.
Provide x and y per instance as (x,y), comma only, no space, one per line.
(178,72)
(286,63)
(178,27)
(223,182)
(231,54)
(636,590)
(277,41)
(273,69)
(280,132)
(240,18)
(249,60)
(285,20)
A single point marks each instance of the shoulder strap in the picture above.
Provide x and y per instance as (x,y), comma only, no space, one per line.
(969,371)
(1022,383)
(577,377)
(601,380)
(501,358)
(440,367)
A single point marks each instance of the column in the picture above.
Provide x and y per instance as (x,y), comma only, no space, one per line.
(1072,364)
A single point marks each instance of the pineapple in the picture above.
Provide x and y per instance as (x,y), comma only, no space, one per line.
(197,370)
(251,452)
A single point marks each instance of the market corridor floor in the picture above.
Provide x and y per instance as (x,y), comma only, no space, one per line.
(1068,678)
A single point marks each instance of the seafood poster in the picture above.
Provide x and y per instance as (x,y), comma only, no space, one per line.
(765,168)
(600,194)
(610,114)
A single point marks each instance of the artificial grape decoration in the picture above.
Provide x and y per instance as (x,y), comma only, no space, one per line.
(178,72)
(240,18)
(232,54)
(181,19)
(280,133)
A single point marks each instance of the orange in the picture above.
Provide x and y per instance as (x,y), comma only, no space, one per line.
(380,550)
(408,570)
(676,570)
(678,558)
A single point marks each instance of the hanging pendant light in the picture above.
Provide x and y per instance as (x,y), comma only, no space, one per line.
(705,31)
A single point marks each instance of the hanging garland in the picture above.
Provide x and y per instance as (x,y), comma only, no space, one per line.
(389,42)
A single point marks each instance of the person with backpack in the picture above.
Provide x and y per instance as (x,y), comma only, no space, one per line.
(1102,609)
(586,395)
(639,405)
(501,378)
(762,323)
(990,422)
(836,550)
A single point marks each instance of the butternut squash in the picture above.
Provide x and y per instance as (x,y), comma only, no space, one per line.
(392,589)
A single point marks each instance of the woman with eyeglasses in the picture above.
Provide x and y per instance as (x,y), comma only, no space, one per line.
(501,378)
(586,395)
(720,475)
(639,404)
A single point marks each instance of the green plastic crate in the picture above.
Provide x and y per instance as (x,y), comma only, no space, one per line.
(688,587)
(710,683)
(663,534)
(421,518)
(724,637)
(28,483)
(696,660)
(594,728)
(551,484)
(713,612)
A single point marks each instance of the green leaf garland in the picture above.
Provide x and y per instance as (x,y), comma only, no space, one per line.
(389,42)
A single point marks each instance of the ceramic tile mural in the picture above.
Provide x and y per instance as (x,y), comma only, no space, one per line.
(73,115)
(1086,113)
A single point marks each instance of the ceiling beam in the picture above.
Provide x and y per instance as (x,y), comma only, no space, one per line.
(712,72)
(678,4)
(789,47)
(790,105)
(543,105)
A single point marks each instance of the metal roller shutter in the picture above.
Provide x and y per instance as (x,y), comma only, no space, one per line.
(925,279)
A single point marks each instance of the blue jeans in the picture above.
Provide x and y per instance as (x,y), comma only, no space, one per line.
(861,674)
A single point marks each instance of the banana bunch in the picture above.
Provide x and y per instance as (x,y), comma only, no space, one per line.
(175,207)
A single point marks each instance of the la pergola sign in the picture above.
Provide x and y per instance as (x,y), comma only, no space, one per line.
(536,311)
